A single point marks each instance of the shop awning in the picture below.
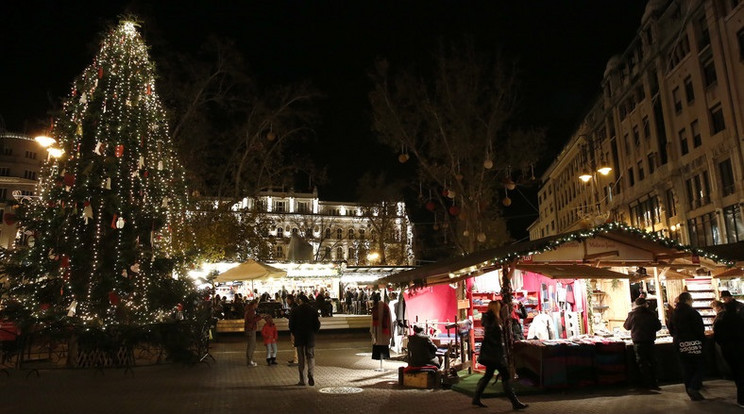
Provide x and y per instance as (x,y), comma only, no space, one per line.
(732,273)
(571,271)
(250,270)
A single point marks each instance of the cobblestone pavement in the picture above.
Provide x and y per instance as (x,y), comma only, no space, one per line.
(343,361)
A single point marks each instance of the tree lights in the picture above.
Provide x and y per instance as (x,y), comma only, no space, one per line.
(110,222)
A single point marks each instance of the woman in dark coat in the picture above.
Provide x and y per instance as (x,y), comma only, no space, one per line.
(728,330)
(688,331)
(492,356)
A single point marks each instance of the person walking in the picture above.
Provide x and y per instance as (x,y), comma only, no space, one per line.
(688,331)
(270,334)
(728,331)
(291,305)
(643,323)
(493,357)
(304,324)
(250,325)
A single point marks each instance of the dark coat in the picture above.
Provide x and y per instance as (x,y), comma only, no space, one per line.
(304,324)
(686,324)
(728,328)
(422,350)
(492,347)
(643,323)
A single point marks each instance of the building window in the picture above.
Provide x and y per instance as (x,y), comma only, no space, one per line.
(295,231)
(683,147)
(31,175)
(31,155)
(351,234)
(279,232)
(279,207)
(308,233)
(3,193)
(703,230)
(7,151)
(697,139)
(303,207)
(677,100)
(361,234)
(626,141)
(641,175)
(651,163)
(703,33)
(631,178)
(280,252)
(716,119)
(709,73)
(339,234)
(4,171)
(671,206)
(698,190)
(734,224)
(646,128)
(339,253)
(689,90)
(636,136)
(727,178)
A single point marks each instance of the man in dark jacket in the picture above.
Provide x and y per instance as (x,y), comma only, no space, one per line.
(421,350)
(727,298)
(688,331)
(304,324)
(643,324)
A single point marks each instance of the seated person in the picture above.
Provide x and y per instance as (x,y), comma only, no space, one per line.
(421,350)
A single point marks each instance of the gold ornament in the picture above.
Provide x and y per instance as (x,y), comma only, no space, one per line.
(488,164)
(481,237)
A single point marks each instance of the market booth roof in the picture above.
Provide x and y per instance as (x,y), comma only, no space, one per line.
(608,245)
(572,271)
(249,270)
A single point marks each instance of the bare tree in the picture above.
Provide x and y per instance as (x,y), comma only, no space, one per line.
(454,122)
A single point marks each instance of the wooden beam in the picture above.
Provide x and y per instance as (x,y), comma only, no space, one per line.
(601,254)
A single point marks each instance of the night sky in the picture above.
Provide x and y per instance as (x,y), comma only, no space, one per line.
(562,47)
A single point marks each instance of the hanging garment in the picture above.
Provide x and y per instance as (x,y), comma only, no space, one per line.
(541,327)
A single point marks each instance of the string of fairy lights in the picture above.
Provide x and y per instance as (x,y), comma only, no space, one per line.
(120,172)
(551,243)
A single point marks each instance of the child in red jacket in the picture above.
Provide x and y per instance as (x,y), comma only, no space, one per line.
(270,334)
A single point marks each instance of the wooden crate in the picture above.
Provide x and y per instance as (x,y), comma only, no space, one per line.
(423,379)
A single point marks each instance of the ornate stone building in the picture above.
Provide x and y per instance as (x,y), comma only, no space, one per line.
(670,124)
(302,227)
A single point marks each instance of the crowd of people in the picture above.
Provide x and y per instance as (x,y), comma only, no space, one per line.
(688,332)
(224,308)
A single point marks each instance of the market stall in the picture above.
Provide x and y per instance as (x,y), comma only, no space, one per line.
(604,267)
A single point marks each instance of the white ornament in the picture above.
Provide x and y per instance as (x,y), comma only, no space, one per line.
(83,98)
(72,309)
(107,185)
(166,200)
(87,213)
(160,165)
(141,162)
(120,223)
(98,148)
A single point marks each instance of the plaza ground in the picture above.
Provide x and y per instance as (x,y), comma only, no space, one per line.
(344,365)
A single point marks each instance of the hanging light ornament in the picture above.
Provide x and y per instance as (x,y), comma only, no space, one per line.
(488,164)
(506,201)
(465,233)
(451,194)
(403,157)
(481,237)
(271,135)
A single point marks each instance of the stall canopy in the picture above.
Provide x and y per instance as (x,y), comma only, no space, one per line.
(572,271)
(589,251)
(250,270)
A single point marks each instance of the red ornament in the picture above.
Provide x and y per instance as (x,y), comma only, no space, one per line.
(119,151)
(45,306)
(69,180)
(113,222)
(430,205)
(445,192)
(454,210)
(9,218)
(114,298)
(64,261)
(149,89)
(100,72)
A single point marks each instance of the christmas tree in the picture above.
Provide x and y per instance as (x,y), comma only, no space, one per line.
(109,233)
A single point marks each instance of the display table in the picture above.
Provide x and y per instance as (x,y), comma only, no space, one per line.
(597,361)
